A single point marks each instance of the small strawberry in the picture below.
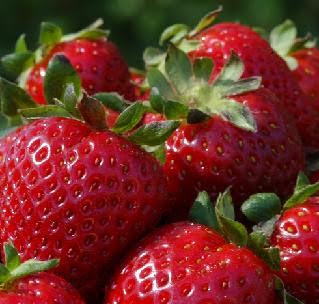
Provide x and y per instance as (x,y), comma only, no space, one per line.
(96,59)
(301,56)
(192,263)
(219,41)
(25,283)
(137,79)
(75,190)
(241,137)
(295,232)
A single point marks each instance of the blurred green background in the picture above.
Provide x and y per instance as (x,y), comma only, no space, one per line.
(136,24)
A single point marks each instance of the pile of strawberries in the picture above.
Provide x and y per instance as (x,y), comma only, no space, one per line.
(121,186)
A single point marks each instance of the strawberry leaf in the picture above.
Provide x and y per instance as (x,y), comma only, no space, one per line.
(203,68)
(44,111)
(153,56)
(158,152)
(21,45)
(59,74)
(203,211)
(14,64)
(261,207)
(234,231)
(155,133)
(241,86)
(11,257)
(50,33)
(283,294)
(112,101)
(70,100)
(174,33)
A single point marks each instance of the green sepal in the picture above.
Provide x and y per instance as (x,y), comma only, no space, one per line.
(203,211)
(174,34)
(44,111)
(153,57)
(59,74)
(234,231)
(14,64)
(50,33)
(93,112)
(195,116)
(6,130)
(283,294)
(70,100)
(113,101)
(302,191)
(203,68)
(155,133)
(158,152)
(21,45)
(129,118)
(261,207)
(205,22)
(261,32)
(178,68)
(93,31)
(257,242)
(241,86)
(14,269)
(268,227)
(189,45)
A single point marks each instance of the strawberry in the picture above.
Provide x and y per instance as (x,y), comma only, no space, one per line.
(218,41)
(96,59)
(137,79)
(301,56)
(24,283)
(295,233)
(77,191)
(187,262)
(254,146)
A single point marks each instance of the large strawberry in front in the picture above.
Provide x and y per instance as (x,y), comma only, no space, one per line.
(218,41)
(97,60)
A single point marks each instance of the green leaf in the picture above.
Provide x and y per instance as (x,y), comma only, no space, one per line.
(158,152)
(32,266)
(261,207)
(6,131)
(302,181)
(203,68)
(189,45)
(112,101)
(44,111)
(129,118)
(59,74)
(178,68)
(13,98)
(4,273)
(12,258)
(291,62)
(93,112)
(50,33)
(234,231)
(155,133)
(283,37)
(14,64)
(261,32)
(195,116)
(174,33)
(157,80)
(21,45)
(267,228)
(283,294)
(153,56)
(232,71)
(70,100)
(242,86)
(203,211)
(206,21)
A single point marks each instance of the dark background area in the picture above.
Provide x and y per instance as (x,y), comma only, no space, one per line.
(136,24)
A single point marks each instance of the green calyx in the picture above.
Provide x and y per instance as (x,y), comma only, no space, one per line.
(14,65)
(283,39)
(186,86)
(14,269)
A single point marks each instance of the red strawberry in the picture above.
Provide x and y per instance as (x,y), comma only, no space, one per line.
(218,41)
(25,284)
(77,194)
(216,153)
(301,55)
(137,79)
(190,263)
(296,235)
(96,59)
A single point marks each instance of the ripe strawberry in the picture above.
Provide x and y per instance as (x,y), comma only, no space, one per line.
(137,79)
(96,59)
(190,263)
(77,194)
(25,284)
(219,152)
(218,41)
(301,55)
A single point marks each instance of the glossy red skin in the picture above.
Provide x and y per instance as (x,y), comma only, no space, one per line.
(82,196)
(98,62)
(218,41)
(39,289)
(185,263)
(300,265)
(215,154)
(307,72)
(137,80)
